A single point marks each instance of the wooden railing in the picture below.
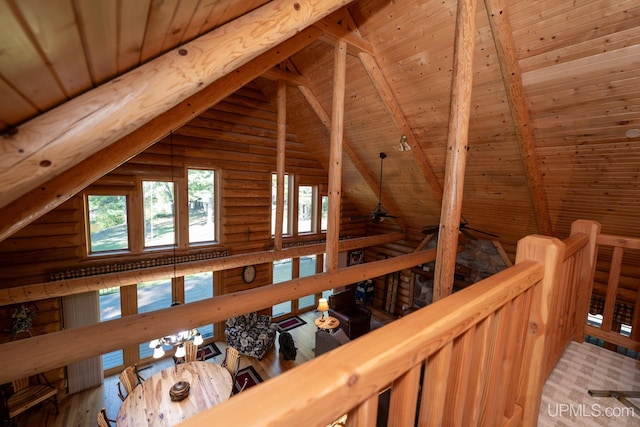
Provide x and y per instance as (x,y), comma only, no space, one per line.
(609,330)
(477,357)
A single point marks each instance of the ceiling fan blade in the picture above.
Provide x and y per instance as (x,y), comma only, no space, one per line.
(431,229)
(469,235)
(483,232)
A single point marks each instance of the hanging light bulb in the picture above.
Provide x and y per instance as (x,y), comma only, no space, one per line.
(158,352)
(180,351)
(154,343)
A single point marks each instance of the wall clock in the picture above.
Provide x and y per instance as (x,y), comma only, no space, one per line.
(249,273)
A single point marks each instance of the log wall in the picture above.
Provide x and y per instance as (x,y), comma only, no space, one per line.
(236,137)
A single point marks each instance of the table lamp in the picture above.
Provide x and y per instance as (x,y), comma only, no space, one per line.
(323,306)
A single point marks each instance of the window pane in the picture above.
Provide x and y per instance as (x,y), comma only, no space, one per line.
(152,296)
(109,303)
(285,216)
(198,287)
(307,268)
(282,271)
(201,206)
(108,229)
(324,213)
(305,209)
(159,218)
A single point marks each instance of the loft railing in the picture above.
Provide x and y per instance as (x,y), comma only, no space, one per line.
(615,294)
(477,357)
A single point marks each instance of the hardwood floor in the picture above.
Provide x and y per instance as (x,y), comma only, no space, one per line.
(80,409)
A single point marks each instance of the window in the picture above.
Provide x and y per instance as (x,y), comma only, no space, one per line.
(324,213)
(198,287)
(159,213)
(282,271)
(201,206)
(285,216)
(306,209)
(109,305)
(152,296)
(108,230)
(307,268)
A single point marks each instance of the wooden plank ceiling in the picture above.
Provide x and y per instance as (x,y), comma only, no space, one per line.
(558,145)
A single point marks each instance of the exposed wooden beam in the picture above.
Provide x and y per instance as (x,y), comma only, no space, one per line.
(334,32)
(457,144)
(61,288)
(335,155)
(280,74)
(55,141)
(59,189)
(280,160)
(512,78)
(71,345)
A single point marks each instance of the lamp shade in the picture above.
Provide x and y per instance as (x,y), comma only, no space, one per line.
(158,352)
(180,351)
(197,339)
(323,305)
(154,343)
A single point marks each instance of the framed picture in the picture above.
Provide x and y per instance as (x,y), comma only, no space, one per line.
(356,257)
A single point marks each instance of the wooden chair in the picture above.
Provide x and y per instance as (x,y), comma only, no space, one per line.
(103,420)
(232,362)
(191,350)
(27,395)
(129,378)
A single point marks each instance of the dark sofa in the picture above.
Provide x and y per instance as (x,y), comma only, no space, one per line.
(354,319)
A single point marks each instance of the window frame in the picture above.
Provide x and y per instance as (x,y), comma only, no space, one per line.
(314,209)
(289,190)
(216,207)
(176,213)
(89,253)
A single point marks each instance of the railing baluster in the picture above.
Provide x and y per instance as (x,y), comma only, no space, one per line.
(434,387)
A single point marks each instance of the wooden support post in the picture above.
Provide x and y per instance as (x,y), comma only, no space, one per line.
(335,156)
(586,273)
(549,251)
(280,153)
(456,149)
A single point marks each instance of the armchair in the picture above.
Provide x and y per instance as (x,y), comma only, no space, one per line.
(354,319)
(252,334)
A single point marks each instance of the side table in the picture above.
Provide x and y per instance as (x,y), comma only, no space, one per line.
(328,324)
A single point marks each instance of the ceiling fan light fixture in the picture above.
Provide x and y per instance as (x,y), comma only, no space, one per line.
(404,144)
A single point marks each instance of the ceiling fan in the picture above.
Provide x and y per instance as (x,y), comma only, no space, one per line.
(379,213)
(464,226)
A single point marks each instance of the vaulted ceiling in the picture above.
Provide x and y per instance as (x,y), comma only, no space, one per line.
(555,104)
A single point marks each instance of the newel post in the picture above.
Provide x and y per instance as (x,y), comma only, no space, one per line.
(549,251)
(586,271)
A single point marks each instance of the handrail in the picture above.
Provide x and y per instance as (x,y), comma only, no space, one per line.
(609,330)
(442,362)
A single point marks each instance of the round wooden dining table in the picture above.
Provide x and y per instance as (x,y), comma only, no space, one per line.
(150,402)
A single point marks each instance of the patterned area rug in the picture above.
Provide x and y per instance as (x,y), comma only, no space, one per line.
(208,351)
(250,375)
(583,367)
(290,323)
